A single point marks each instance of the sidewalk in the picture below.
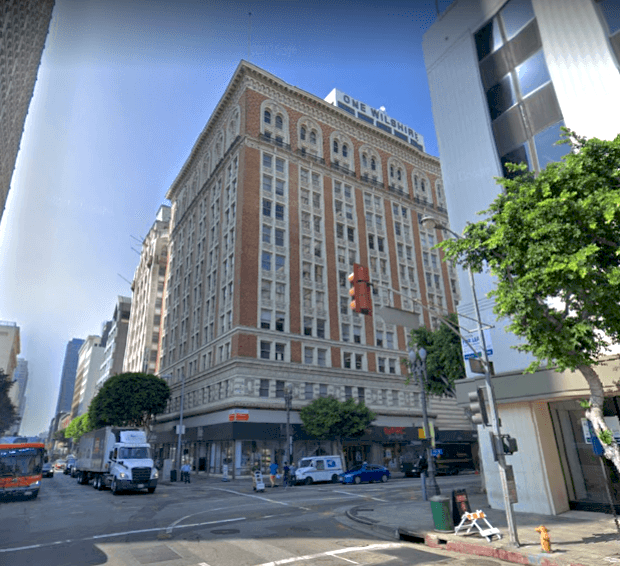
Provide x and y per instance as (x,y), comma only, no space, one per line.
(578,538)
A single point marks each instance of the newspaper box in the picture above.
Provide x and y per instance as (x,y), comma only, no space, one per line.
(259,484)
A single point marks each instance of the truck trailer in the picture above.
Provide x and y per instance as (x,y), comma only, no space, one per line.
(118,458)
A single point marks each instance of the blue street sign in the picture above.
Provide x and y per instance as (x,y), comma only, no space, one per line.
(474,341)
(437,452)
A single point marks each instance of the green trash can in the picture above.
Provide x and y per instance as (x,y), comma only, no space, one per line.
(442,517)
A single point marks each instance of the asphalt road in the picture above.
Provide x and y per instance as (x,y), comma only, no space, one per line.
(220,524)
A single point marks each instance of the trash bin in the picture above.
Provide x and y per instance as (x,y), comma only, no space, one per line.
(442,517)
(173,475)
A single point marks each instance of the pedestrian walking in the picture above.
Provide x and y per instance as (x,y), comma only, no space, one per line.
(273,472)
(185,473)
(287,476)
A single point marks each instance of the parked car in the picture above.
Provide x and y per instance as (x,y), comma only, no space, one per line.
(47,470)
(70,464)
(60,464)
(366,473)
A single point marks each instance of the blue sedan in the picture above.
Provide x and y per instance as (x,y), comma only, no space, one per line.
(365,472)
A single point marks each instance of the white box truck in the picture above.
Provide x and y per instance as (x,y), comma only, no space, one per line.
(118,458)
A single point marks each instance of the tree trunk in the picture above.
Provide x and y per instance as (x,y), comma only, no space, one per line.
(595,414)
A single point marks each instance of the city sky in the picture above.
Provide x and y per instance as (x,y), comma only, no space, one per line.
(123,91)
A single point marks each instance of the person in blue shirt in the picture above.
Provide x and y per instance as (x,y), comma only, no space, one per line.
(273,470)
(185,472)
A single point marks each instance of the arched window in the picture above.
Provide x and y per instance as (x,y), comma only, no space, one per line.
(335,146)
(313,137)
(415,181)
(302,133)
(373,164)
(345,150)
(423,186)
(364,160)
(391,170)
(398,175)
(279,122)
(267,118)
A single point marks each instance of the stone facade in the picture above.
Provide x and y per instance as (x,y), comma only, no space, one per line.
(143,337)
(23,29)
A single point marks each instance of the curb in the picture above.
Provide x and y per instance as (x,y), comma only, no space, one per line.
(461,546)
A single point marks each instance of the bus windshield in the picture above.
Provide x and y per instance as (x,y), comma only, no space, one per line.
(18,462)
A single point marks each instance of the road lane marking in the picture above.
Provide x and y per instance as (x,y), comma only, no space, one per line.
(362,496)
(259,497)
(175,523)
(334,553)
(110,535)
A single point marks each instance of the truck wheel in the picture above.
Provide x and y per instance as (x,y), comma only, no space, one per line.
(96,482)
(115,489)
(334,478)
(308,481)
(34,494)
(100,483)
(151,490)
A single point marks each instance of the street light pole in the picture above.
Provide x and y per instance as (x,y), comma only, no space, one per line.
(432,222)
(420,369)
(180,421)
(288,398)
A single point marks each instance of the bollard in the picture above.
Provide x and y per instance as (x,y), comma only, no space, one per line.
(424,494)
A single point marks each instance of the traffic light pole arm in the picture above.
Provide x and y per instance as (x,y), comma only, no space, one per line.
(443,319)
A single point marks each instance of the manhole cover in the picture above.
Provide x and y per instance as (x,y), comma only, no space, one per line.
(299,529)
(225,531)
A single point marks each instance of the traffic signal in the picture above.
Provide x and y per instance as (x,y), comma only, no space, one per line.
(361,298)
(478,407)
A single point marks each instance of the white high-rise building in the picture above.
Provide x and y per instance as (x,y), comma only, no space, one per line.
(504,76)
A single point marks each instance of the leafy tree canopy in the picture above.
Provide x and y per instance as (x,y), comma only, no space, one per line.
(8,411)
(326,418)
(78,426)
(444,357)
(129,399)
(553,243)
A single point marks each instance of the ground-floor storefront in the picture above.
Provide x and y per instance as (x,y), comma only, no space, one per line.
(238,448)
(590,479)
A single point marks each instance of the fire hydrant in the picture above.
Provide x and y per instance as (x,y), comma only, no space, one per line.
(545,540)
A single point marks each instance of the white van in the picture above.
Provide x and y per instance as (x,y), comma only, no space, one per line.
(319,468)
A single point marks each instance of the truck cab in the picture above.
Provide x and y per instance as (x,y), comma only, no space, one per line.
(130,463)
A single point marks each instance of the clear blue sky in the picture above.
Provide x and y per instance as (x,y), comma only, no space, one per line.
(123,91)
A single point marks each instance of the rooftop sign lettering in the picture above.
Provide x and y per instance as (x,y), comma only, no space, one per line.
(375,116)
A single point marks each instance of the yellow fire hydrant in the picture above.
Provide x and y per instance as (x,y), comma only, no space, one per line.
(545,539)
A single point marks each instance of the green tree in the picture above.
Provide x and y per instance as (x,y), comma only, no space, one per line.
(444,357)
(552,241)
(77,427)
(8,411)
(129,399)
(326,418)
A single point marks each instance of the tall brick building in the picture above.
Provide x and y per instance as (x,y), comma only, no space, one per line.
(23,31)
(282,193)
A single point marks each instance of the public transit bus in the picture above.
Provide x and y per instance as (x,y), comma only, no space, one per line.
(21,465)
